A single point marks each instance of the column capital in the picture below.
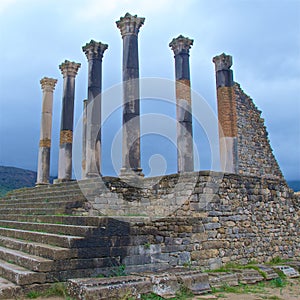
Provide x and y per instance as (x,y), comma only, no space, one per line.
(181,44)
(94,50)
(222,62)
(48,84)
(69,68)
(130,25)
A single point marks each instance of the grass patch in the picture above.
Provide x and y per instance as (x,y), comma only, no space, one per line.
(151,296)
(240,289)
(183,294)
(33,295)
(119,271)
(57,289)
(277,261)
(232,266)
(278,282)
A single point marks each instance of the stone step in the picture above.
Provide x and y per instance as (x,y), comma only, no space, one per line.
(68,220)
(98,221)
(38,249)
(34,211)
(65,204)
(9,290)
(35,191)
(40,199)
(20,275)
(66,241)
(31,262)
(51,228)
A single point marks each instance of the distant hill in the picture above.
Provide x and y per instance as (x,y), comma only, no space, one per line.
(294,184)
(12,178)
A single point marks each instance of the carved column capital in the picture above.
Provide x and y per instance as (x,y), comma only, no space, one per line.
(130,25)
(69,68)
(222,62)
(181,44)
(94,50)
(48,84)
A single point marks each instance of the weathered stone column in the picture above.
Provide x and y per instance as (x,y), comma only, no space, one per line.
(94,52)
(43,172)
(185,157)
(83,161)
(131,156)
(69,71)
(227,114)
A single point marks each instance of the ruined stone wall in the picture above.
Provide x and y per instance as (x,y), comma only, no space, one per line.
(225,217)
(255,155)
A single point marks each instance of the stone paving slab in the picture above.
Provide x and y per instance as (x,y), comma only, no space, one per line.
(219,279)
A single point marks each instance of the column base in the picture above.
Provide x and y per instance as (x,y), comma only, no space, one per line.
(130,173)
(92,175)
(56,181)
(41,183)
(133,177)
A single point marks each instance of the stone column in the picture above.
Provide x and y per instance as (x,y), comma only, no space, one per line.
(185,157)
(94,52)
(227,114)
(43,172)
(69,71)
(131,156)
(83,162)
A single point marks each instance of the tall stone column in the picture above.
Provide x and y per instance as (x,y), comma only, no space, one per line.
(43,172)
(69,71)
(131,157)
(94,52)
(227,114)
(83,161)
(185,158)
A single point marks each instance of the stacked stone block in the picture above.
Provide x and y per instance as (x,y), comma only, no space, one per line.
(254,150)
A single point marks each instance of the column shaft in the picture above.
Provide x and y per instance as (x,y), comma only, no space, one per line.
(94,52)
(69,71)
(185,157)
(84,129)
(43,172)
(131,152)
(227,114)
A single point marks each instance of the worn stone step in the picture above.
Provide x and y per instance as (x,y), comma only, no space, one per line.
(99,221)
(36,193)
(50,187)
(60,253)
(20,275)
(51,228)
(38,249)
(63,219)
(38,205)
(31,262)
(66,241)
(34,211)
(41,199)
(9,290)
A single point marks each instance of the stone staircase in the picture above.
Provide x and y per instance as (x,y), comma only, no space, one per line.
(42,240)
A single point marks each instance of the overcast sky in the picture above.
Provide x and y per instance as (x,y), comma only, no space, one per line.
(262,36)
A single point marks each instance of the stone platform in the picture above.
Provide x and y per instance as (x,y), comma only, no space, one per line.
(60,232)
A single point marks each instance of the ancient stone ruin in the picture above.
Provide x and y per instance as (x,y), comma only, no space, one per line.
(162,230)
